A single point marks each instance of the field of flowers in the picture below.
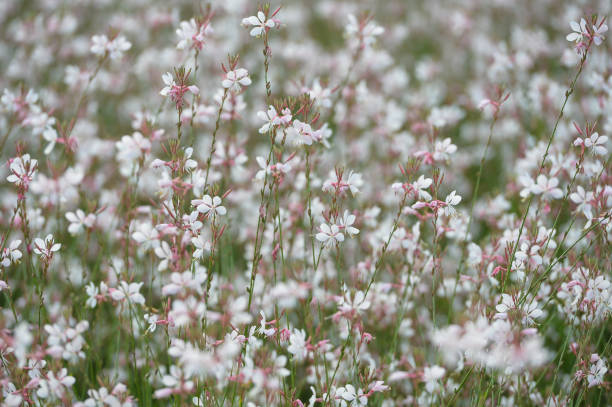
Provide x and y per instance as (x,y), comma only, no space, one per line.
(308,203)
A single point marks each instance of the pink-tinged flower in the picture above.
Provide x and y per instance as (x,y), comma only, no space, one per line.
(362,34)
(262,326)
(45,248)
(302,133)
(22,170)
(597,370)
(176,91)
(580,31)
(11,254)
(272,118)
(595,142)
(260,22)
(349,396)
(598,33)
(328,235)
(192,34)
(209,205)
(236,79)
(337,184)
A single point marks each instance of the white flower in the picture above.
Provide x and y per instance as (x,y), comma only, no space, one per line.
(297,344)
(420,186)
(164,252)
(45,248)
(595,142)
(129,291)
(201,244)
(118,46)
(598,34)
(260,23)
(115,48)
(22,170)
(235,80)
(443,149)
(92,292)
(346,223)
(99,44)
(328,235)
(10,255)
(547,187)
(582,198)
(451,201)
(168,79)
(431,377)
(597,371)
(262,326)
(79,220)
(580,30)
(271,118)
(209,206)
(362,34)
(192,35)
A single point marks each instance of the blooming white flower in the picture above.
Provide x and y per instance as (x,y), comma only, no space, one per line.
(168,79)
(260,22)
(164,252)
(297,344)
(22,170)
(209,205)
(598,33)
(420,186)
(236,79)
(432,376)
(348,395)
(11,254)
(271,119)
(328,235)
(580,31)
(45,248)
(92,292)
(201,244)
(346,224)
(595,142)
(451,201)
(597,370)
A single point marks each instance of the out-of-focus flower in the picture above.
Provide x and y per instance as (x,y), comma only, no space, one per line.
(192,34)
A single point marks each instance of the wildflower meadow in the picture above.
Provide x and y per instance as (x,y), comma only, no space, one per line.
(305,203)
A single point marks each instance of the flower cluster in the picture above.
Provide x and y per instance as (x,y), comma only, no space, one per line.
(309,205)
